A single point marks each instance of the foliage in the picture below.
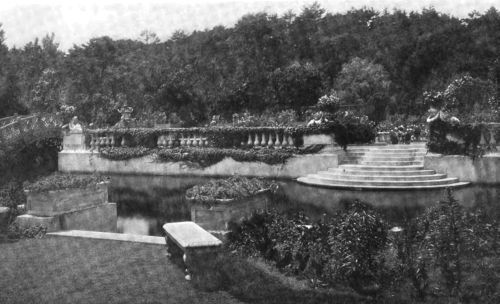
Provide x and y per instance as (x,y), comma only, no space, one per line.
(452,139)
(234,187)
(452,253)
(366,85)
(343,249)
(469,98)
(124,153)
(14,231)
(295,86)
(328,103)
(60,181)
(215,71)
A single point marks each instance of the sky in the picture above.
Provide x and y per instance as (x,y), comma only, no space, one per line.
(77,21)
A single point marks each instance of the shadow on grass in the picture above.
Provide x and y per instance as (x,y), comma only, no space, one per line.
(250,284)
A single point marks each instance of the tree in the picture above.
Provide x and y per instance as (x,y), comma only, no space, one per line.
(365,85)
(296,86)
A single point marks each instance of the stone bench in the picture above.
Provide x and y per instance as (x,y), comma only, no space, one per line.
(198,248)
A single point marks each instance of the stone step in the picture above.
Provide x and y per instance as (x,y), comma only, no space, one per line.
(381,168)
(389,163)
(384,158)
(355,171)
(360,184)
(329,184)
(347,176)
(388,150)
(396,154)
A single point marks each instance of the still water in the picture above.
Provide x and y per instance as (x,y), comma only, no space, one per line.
(145,203)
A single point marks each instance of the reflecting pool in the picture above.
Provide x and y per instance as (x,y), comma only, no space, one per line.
(145,203)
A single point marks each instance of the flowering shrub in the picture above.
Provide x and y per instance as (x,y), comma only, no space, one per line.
(230,188)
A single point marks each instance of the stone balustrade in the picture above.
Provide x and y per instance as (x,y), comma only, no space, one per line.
(195,137)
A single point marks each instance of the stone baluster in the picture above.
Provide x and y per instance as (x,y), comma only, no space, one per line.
(196,141)
(124,142)
(256,140)
(263,141)
(159,142)
(250,141)
(191,140)
(290,140)
(277,143)
(270,142)
(285,143)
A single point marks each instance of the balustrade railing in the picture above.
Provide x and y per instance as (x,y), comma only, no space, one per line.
(196,137)
(34,125)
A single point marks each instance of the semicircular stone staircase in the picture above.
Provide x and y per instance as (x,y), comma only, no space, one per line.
(391,167)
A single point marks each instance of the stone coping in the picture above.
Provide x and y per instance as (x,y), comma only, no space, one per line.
(190,235)
(135,238)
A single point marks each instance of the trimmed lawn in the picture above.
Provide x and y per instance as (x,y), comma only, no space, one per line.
(75,270)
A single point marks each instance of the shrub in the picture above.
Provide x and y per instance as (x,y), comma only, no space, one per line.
(59,181)
(205,157)
(230,188)
(458,139)
(347,248)
(356,239)
(32,232)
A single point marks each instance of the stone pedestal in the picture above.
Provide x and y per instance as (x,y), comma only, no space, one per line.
(74,141)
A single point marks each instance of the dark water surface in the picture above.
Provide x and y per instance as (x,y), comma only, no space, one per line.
(145,203)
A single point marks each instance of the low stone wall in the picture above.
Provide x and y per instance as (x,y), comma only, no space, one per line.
(218,216)
(300,165)
(485,169)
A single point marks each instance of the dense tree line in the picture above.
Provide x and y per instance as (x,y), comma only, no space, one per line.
(263,63)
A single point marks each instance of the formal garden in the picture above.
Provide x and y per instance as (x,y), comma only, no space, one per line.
(357,161)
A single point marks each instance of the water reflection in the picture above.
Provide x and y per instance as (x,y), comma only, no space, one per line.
(145,203)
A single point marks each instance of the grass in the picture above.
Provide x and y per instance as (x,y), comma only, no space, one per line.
(67,270)
(74,270)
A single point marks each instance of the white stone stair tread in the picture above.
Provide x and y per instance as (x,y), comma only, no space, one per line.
(305,180)
(339,180)
(136,238)
(385,168)
(382,172)
(384,177)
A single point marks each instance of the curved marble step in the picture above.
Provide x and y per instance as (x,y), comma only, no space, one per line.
(381,168)
(347,176)
(383,158)
(389,163)
(328,184)
(383,172)
(362,182)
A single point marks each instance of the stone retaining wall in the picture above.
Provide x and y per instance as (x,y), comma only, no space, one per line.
(485,169)
(300,165)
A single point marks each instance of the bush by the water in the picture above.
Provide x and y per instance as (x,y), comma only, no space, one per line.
(231,188)
(59,181)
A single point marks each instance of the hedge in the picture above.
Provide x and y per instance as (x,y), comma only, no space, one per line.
(206,157)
